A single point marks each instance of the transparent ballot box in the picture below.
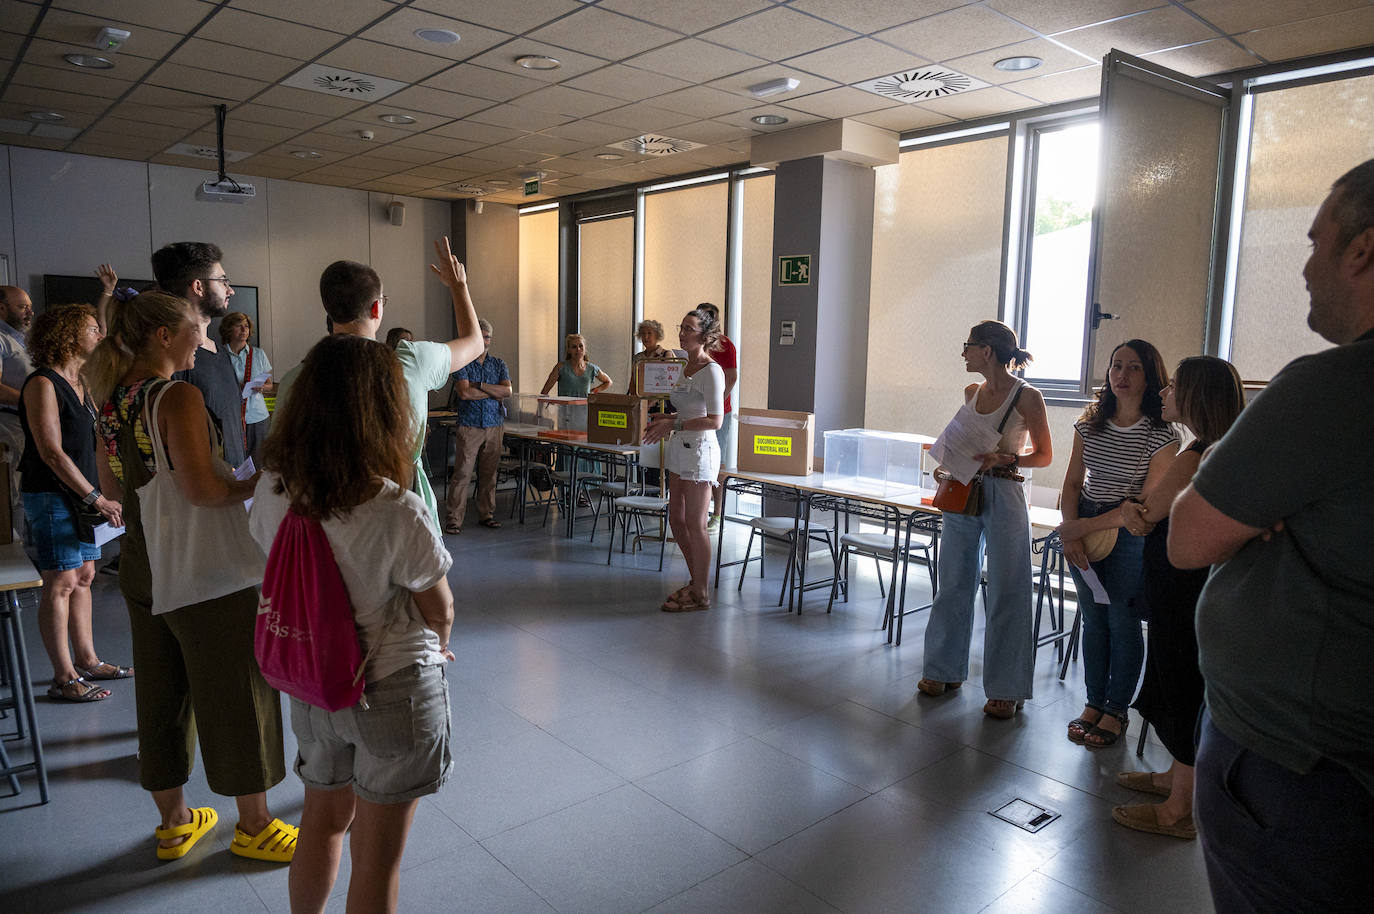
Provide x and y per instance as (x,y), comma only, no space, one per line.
(563,417)
(878,463)
(522,409)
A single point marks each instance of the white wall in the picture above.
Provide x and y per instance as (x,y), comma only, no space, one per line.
(63,213)
(493,264)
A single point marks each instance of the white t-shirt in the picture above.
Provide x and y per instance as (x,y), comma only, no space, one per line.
(703,394)
(385,548)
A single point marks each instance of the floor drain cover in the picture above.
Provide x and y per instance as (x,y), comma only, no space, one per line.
(1024,814)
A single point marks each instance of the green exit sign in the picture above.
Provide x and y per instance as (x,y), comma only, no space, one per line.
(794,270)
(531,187)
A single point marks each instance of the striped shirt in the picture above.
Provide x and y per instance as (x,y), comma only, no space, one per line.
(1116,459)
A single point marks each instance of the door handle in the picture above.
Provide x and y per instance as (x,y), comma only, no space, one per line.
(1098,315)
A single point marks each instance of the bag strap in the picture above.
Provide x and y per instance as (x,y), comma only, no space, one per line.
(150,415)
(1020,389)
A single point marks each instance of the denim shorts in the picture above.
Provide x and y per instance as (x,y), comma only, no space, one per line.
(393,751)
(694,456)
(52,530)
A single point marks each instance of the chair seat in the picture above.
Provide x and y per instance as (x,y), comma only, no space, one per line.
(775,526)
(620,488)
(868,542)
(642,502)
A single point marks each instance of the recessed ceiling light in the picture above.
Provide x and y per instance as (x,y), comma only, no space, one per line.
(89,61)
(1015,64)
(538,62)
(46,116)
(609,156)
(397,118)
(305,153)
(768,120)
(498,182)
(438,36)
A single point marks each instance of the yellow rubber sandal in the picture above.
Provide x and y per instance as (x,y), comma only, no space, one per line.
(276,843)
(203,819)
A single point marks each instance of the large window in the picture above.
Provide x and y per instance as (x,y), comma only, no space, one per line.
(756,289)
(1058,234)
(606,258)
(684,251)
(540,346)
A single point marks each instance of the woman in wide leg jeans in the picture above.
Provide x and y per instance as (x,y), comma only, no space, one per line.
(1121,445)
(1001,531)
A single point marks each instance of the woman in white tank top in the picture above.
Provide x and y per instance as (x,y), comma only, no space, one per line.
(1001,529)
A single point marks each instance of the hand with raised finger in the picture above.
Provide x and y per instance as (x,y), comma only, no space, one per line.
(450,272)
(108,277)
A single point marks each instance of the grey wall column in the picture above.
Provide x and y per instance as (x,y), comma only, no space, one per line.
(824,208)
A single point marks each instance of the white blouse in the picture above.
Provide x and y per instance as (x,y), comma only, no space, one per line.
(703,394)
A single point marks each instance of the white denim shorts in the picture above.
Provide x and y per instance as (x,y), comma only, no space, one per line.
(694,456)
(392,751)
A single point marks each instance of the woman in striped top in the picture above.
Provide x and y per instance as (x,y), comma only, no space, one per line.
(1121,446)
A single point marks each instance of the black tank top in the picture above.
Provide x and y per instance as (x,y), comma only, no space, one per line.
(78,439)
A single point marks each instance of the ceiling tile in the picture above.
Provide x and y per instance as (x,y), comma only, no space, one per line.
(688,18)
(346,171)
(134,111)
(482,82)
(1140,34)
(712,132)
(1071,14)
(225,58)
(1056,59)
(475,132)
(446,175)
(1062,87)
(383,60)
(323,14)
(381,133)
(1233,16)
(503,156)
(127,67)
(1206,57)
(316,140)
(262,33)
(524,119)
(411,155)
(979,103)
(35,142)
(605,34)
(435,101)
(739,83)
(1313,36)
(316,178)
(542,143)
(172,15)
(309,102)
(124,135)
(234,129)
(61,102)
(281,117)
(71,80)
(78,29)
(504,57)
(205,82)
(777,33)
(435,143)
(627,82)
(424,120)
(255,167)
(508,15)
(956,33)
(695,61)
(565,100)
(903,118)
(10,44)
(238,143)
(644,117)
(590,132)
(703,101)
(17,17)
(841,102)
(399,29)
(857,60)
(867,16)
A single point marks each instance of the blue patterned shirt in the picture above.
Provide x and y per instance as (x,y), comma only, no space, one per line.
(481,413)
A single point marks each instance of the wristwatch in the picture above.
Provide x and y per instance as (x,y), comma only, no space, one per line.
(91,498)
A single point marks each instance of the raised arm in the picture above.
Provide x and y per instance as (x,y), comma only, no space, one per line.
(467,345)
(108,280)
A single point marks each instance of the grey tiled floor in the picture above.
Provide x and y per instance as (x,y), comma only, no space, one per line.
(609,757)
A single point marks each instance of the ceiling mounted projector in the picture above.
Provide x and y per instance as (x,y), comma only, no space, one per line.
(228,191)
(774,86)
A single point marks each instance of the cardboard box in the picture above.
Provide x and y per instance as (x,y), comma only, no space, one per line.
(616,418)
(776,441)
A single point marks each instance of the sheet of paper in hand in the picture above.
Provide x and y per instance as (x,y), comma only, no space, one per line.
(959,442)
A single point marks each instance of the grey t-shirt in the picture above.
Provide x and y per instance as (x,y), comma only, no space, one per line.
(1286,627)
(213,375)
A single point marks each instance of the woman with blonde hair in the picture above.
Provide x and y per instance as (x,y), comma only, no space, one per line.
(249,362)
(197,674)
(1012,413)
(59,476)
(575,376)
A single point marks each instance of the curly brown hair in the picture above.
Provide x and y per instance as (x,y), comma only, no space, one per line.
(55,335)
(232,320)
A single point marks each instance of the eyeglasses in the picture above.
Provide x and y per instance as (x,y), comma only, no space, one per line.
(223,279)
(967,346)
(686,329)
(384,299)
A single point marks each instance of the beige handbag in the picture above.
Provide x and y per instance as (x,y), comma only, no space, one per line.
(1100,543)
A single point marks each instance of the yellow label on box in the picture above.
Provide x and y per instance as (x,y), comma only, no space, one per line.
(612,420)
(773,445)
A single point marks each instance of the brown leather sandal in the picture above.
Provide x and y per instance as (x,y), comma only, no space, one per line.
(935,687)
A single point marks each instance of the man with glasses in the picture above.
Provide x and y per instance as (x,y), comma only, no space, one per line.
(193,270)
(478,389)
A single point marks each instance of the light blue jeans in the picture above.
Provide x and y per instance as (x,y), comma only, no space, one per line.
(1113,645)
(1002,530)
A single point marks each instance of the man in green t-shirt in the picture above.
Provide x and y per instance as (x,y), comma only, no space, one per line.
(1283,507)
(352,296)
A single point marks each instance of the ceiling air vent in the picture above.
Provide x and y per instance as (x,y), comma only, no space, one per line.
(344,83)
(191,150)
(653,145)
(922,84)
(467,190)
